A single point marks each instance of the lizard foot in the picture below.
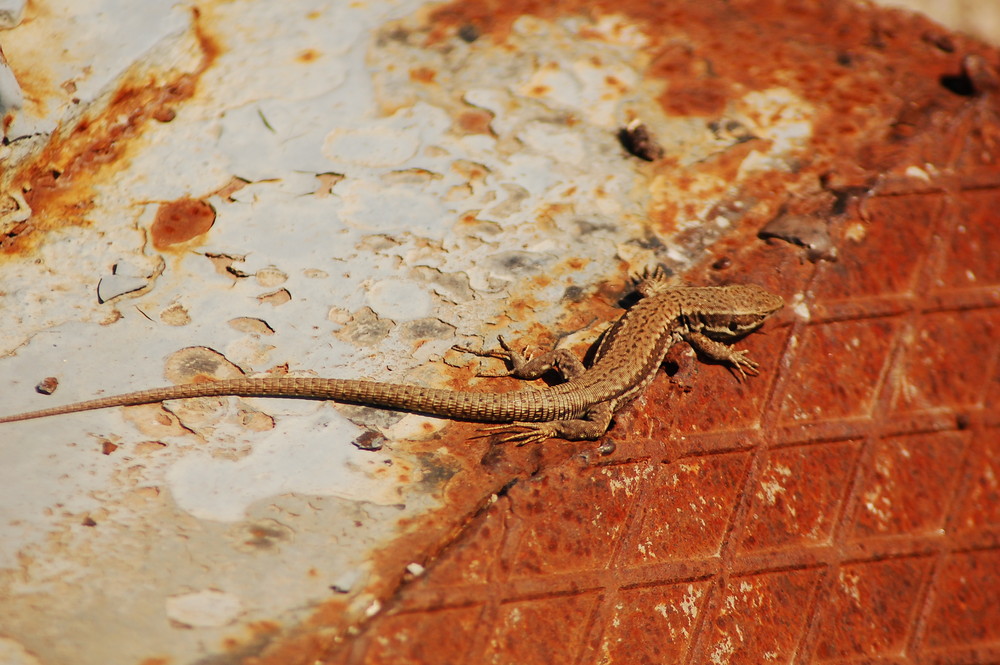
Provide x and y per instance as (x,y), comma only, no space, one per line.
(516,361)
(521,433)
(742,364)
(588,428)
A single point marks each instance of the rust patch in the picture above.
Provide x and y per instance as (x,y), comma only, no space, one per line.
(164,115)
(308,55)
(422,74)
(58,183)
(475,122)
(47,386)
(180,221)
(698,53)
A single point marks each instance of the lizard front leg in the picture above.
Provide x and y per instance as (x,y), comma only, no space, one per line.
(531,367)
(715,350)
(590,427)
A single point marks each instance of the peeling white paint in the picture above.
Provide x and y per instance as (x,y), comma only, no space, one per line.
(210,607)
(722,651)
(689,604)
(295,457)
(396,299)
(370,234)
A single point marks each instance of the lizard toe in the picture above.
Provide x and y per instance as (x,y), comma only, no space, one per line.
(520,433)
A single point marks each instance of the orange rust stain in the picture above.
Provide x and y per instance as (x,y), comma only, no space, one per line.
(468,218)
(704,99)
(476,477)
(302,647)
(58,184)
(236,184)
(264,627)
(203,378)
(545,217)
(586,32)
(329,613)
(475,122)
(663,216)
(523,308)
(616,84)
(164,115)
(542,281)
(210,46)
(180,221)
(256,628)
(490,17)
(422,74)
(469,170)
(726,165)
(709,53)
(308,55)
(154,661)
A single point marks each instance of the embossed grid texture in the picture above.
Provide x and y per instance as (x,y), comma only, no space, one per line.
(842,507)
(853,514)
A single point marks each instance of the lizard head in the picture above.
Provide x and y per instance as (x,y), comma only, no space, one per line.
(738,310)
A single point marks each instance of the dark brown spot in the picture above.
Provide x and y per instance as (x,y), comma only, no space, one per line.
(47,386)
(637,139)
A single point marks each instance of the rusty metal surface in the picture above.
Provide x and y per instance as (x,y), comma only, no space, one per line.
(350,190)
(842,508)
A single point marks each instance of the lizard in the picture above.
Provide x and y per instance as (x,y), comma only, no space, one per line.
(626,360)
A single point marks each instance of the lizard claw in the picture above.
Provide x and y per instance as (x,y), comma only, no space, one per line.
(744,365)
(520,433)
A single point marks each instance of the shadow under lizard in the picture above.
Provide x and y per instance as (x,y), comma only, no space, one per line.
(626,361)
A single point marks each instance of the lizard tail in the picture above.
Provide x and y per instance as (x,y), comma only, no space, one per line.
(461,405)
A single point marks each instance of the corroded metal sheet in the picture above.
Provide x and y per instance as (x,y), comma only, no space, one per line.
(222,189)
(842,506)
(211,190)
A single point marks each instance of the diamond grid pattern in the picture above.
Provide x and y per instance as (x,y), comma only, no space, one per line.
(842,507)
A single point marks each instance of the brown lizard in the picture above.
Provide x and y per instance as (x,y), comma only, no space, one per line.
(627,358)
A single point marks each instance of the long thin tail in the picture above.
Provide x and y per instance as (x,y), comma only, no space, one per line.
(481,407)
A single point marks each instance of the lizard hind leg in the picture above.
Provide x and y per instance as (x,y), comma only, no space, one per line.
(588,428)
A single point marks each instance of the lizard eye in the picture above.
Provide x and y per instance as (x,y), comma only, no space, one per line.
(733,326)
